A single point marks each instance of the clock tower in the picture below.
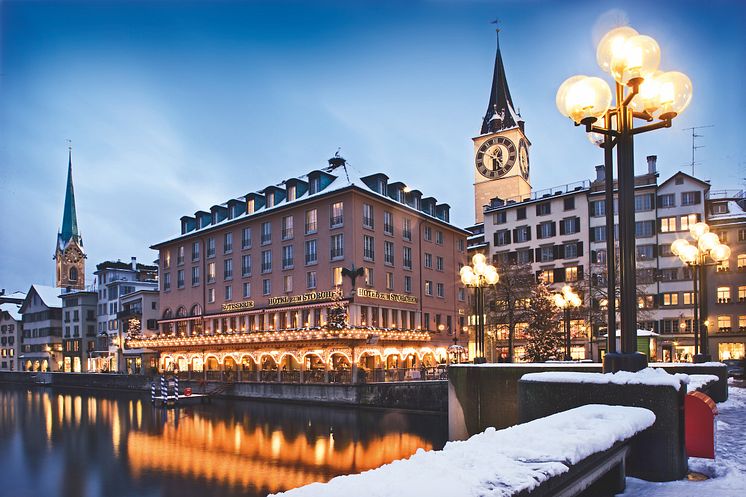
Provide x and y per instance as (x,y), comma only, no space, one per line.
(69,255)
(501,165)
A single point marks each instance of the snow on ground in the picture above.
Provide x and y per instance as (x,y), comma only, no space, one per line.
(647,376)
(727,472)
(495,463)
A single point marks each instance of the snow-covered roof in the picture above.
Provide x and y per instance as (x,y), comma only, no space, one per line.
(734,212)
(13,309)
(640,333)
(14,295)
(49,295)
(647,376)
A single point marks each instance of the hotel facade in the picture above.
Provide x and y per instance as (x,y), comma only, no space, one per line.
(326,272)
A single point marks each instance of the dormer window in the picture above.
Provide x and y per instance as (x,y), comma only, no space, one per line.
(315,185)
(721,208)
(291,193)
(270,200)
(250,206)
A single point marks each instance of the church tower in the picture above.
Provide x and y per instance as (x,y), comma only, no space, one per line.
(69,254)
(501,167)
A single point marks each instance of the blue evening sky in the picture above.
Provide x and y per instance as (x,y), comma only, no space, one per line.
(175,106)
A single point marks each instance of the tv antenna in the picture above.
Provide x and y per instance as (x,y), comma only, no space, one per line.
(694,141)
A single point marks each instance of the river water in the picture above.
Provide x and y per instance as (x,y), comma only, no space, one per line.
(70,443)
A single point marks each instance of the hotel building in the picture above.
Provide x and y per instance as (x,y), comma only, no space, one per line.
(326,271)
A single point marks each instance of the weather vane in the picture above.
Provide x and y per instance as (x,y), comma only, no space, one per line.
(496,22)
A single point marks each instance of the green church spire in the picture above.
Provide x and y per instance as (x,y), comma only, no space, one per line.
(69,217)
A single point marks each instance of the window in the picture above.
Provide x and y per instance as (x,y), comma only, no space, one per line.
(598,208)
(389,281)
(407,262)
(741,323)
(502,237)
(598,234)
(543,209)
(570,226)
(180,278)
(439,263)
(180,256)
(500,217)
(291,192)
(266,261)
(266,286)
(228,292)
(522,234)
(287,227)
(688,298)
(723,235)
(742,235)
(547,253)
(388,223)
(670,299)
(246,265)
(645,302)
(228,243)
(644,229)
(427,233)
(167,281)
(195,276)
(166,261)
(723,295)
(547,276)
(429,261)
(724,323)
(369,253)
(388,253)
(668,224)
(723,266)
(691,198)
(406,232)
(571,250)
(311,252)
(664,250)
(315,185)
(337,215)
(439,237)
(287,283)
(311,222)
(228,269)
(337,276)
(368,221)
(666,201)
(195,251)
(520,213)
(645,252)
(546,229)
(428,287)
(287,257)
(210,295)
(368,276)
(266,233)
(644,202)
(571,274)
(337,247)
(523,256)
(210,247)
(687,221)
(311,280)
(211,272)
(461,294)
(270,196)
(569,203)
(440,290)
(407,284)
(247,290)
(741,262)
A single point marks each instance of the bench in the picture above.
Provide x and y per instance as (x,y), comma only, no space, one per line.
(581,451)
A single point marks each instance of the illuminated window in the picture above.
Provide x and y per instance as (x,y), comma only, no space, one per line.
(742,293)
(287,282)
(668,224)
(670,299)
(311,222)
(741,261)
(571,274)
(211,272)
(723,266)
(724,323)
(688,221)
(741,323)
(337,276)
(688,298)
(368,276)
(723,294)
(337,215)
(547,276)
(731,351)
(389,281)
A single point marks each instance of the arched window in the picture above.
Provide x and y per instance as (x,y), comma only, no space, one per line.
(167,314)
(73,274)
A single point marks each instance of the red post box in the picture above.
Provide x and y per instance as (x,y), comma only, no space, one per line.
(699,420)
(187,391)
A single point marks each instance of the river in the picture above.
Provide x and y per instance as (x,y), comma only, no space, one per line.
(71,443)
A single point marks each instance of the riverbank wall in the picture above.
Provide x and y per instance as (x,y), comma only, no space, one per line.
(427,396)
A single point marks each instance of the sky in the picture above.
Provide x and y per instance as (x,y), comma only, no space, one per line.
(175,106)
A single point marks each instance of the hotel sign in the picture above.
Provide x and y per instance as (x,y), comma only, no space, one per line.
(238,306)
(391,297)
(305,297)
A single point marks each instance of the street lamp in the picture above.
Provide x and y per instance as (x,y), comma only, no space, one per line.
(695,256)
(645,93)
(567,300)
(479,275)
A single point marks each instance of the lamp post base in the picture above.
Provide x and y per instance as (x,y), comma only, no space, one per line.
(618,361)
(480,360)
(700,358)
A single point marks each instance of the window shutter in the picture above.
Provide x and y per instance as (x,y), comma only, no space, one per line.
(660,225)
(594,256)
(515,234)
(495,239)
(660,199)
(538,232)
(697,197)
(538,211)
(528,233)
(507,236)
(655,251)
(513,258)
(559,275)
(531,256)
(538,254)
(592,235)
(562,227)
(580,273)
(538,275)
(577,225)
(580,249)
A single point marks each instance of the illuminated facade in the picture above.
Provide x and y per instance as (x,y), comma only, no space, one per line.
(329,271)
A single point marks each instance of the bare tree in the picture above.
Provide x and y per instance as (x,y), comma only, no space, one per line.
(543,337)
(507,300)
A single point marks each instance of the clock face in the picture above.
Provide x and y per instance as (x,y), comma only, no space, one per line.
(73,255)
(523,158)
(496,157)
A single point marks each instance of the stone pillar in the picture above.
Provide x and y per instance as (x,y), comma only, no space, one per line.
(353,367)
(302,368)
(326,370)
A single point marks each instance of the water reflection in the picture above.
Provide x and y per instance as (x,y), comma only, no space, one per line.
(65,443)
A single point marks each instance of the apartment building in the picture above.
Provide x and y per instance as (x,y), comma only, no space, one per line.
(79,330)
(41,313)
(11,329)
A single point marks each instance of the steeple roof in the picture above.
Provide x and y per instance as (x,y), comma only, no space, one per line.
(501,113)
(69,217)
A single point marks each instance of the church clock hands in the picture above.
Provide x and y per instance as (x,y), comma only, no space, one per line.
(523,158)
(502,152)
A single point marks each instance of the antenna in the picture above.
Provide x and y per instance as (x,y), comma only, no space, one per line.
(694,141)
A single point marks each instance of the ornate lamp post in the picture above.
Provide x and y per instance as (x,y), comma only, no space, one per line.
(567,300)
(695,256)
(642,92)
(479,275)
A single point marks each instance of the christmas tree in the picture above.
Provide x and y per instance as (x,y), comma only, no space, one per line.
(543,335)
(337,314)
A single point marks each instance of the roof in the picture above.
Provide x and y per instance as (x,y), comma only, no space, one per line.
(49,295)
(17,297)
(13,309)
(501,113)
(341,178)
(735,211)
(688,176)
(69,228)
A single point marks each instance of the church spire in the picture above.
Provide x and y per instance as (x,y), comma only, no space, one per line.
(69,218)
(501,113)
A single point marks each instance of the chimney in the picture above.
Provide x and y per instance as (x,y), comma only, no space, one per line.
(601,173)
(651,163)
(134,263)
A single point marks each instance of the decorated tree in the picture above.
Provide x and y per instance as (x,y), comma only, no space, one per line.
(337,313)
(507,300)
(543,335)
